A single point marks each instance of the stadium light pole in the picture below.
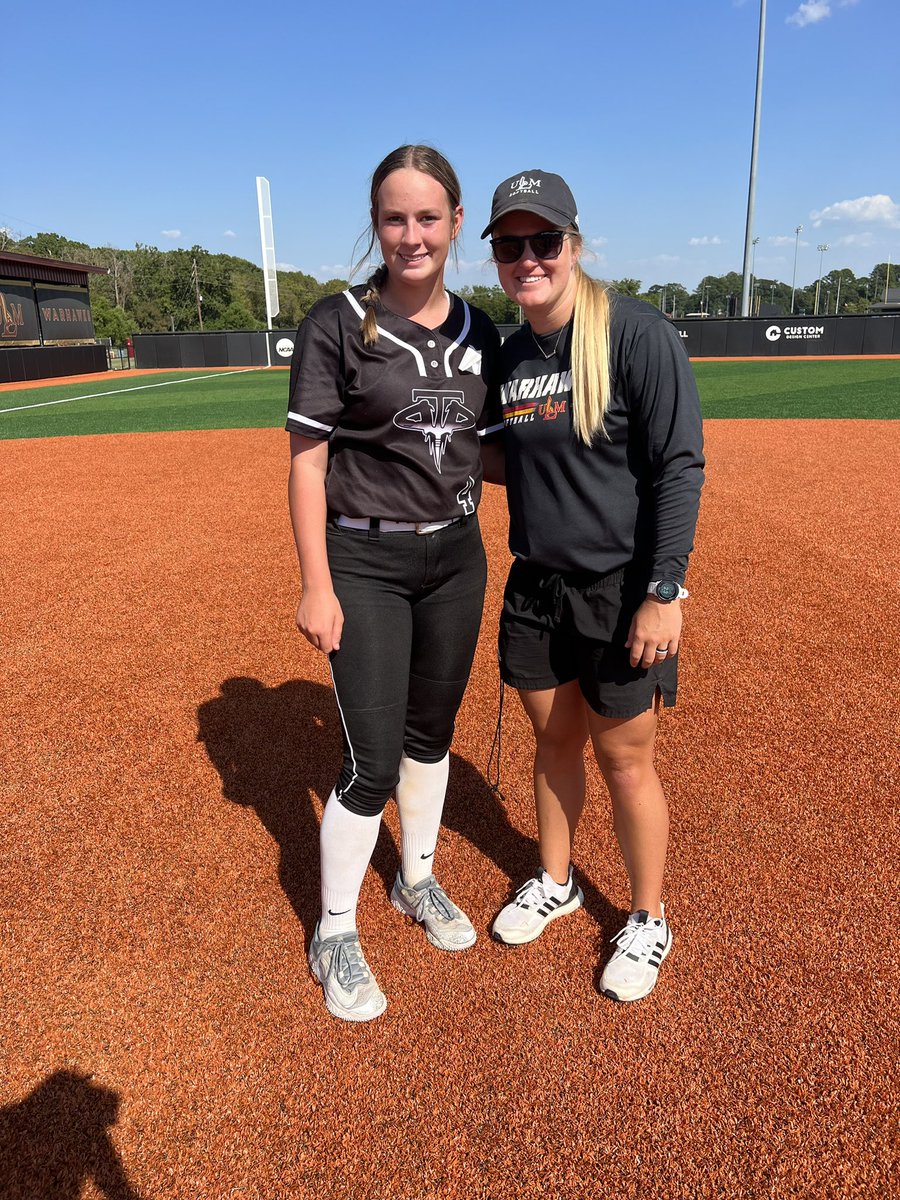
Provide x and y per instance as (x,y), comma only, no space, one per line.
(821,249)
(797,233)
(751,196)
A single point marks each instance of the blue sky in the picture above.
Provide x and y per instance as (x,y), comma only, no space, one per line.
(148,123)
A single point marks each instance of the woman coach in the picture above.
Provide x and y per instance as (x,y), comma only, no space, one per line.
(604,466)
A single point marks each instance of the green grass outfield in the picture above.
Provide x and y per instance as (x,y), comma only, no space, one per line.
(257,398)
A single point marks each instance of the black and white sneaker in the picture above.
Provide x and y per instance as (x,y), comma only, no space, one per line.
(641,946)
(528,915)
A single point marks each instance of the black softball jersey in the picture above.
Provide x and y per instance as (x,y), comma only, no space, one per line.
(403,418)
(632,498)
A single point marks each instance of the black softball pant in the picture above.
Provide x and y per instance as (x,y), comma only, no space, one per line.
(412,608)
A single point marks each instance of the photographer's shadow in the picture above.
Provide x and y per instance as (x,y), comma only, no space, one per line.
(57,1138)
(276,748)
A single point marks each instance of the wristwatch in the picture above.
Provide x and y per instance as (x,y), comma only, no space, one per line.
(667,590)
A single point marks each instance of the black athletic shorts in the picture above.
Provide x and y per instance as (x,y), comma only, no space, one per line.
(556,627)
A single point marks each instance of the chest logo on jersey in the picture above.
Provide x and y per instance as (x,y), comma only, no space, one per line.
(436,416)
(546,397)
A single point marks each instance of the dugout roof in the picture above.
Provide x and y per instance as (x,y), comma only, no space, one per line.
(46,270)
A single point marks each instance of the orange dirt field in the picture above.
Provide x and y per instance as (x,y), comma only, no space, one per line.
(168,740)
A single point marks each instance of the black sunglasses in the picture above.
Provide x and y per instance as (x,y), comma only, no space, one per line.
(543,246)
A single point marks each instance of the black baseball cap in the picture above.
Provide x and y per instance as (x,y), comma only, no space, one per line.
(538,192)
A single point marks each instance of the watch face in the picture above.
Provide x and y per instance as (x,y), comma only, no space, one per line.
(667,590)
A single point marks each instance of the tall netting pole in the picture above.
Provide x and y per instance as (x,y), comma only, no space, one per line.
(267,239)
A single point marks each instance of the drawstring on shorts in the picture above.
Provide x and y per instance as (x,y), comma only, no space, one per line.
(496,745)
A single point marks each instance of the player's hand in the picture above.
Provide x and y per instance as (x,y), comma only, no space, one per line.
(320,619)
(655,632)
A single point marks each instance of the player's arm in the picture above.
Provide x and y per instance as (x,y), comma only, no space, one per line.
(666,395)
(319,615)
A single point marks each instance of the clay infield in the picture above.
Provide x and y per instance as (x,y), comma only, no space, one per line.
(169,740)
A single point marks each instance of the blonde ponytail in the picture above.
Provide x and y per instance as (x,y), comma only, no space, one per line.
(591,384)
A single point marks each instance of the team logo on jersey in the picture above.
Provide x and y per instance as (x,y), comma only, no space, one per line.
(437,416)
(464,497)
(470,361)
(522,399)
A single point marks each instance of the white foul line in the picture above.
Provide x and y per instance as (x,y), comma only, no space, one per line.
(140,388)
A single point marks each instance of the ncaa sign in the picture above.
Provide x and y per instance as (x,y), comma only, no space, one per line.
(284,347)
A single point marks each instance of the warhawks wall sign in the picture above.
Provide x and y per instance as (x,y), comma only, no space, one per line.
(65,314)
(18,314)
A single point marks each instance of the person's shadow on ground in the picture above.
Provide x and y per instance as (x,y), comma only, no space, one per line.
(57,1138)
(275,748)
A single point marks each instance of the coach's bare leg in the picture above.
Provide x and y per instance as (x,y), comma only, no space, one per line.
(624,750)
(559,719)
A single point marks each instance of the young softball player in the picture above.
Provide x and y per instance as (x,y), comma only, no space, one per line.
(388,407)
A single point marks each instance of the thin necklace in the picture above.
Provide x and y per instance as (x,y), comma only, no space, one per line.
(545,353)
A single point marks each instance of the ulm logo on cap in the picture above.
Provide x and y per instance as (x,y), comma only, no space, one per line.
(525,186)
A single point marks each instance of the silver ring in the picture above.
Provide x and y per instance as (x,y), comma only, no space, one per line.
(662,649)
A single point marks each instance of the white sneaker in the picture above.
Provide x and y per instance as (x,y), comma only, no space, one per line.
(641,945)
(446,926)
(351,992)
(528,915)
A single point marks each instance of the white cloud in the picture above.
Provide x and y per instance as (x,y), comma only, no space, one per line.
(229,233)
(879,210)
(332,270)
(785,241)
(286,267)
(599,241)
(706,240)
(171,233)
(810,12)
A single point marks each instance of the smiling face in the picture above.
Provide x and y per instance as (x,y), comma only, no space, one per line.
(415,227)
(545,288)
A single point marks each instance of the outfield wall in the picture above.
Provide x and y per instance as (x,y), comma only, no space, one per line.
(19,364)
(725,337)
(230,349)
(778,337)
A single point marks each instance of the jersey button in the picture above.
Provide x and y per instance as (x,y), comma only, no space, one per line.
(431,345)
(434,362)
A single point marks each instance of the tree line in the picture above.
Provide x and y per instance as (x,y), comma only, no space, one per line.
(148,290)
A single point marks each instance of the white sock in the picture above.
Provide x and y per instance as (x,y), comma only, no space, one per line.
(420,802)
(556,891)
(346,843)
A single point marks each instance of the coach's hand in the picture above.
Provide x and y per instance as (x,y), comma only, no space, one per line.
(320,619)
(655,627)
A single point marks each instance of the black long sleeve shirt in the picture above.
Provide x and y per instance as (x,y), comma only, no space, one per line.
(631,499)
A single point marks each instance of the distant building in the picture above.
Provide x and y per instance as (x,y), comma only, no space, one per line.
(889,305)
